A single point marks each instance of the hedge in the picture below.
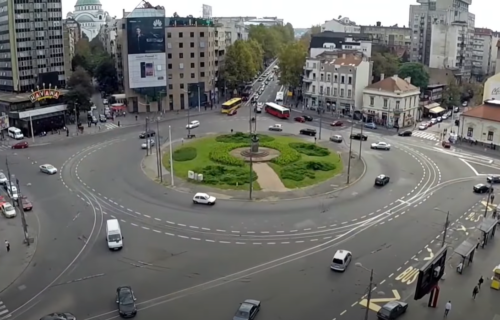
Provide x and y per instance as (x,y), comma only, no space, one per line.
(287,154)
(220,154)
(185,154)
(301,170)
(310,149)
(240,137)
(220,175)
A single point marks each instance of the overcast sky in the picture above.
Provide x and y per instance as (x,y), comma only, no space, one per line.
(303,14)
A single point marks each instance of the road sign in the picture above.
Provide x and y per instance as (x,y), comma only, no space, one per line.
(374,303)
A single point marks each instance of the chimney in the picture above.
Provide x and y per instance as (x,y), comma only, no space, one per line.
(382,76)
(379,23)
(408,79)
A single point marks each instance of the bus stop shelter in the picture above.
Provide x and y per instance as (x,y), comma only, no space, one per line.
(487,227)
(466,250)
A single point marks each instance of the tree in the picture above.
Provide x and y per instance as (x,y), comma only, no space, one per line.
(474,92)
(306,37)
(417,72)
(80,90)
(384,63)
(96,46)
(239,64)
(272,39)
(451,94)
(257,54)
(107,75)
(291,62)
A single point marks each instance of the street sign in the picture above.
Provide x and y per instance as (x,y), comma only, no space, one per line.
(375,304)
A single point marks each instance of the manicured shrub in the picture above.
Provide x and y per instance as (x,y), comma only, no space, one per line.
(305,169)
(220,154)
(310,149)
(287,154)
(221,175)
(240,137)
(184,154)
(319,166)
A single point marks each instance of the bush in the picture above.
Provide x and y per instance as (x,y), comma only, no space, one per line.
(287,154)
(220,175)
(240,137)
(310,149)
(220,154)
(184,154)
(301,170)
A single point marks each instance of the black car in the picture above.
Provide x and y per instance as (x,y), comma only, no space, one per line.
(392,310)
(308,118)
(59,316)
(308,132)
(493,179)
(248,310)
(148,134)
(359,136)
(404,134)
(125,300)
(382,180)
(482,188)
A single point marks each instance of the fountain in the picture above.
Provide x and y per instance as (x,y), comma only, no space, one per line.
(255,153)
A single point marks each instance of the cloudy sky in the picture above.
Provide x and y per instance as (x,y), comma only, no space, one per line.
(303,14)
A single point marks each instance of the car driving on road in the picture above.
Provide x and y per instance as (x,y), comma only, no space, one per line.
(392,310)
(493,179)
(336,124)
(27,205)
(8,210)
(193,124)
(381,146)
(405,133)
(382,180)
(336,138)
(308,132)
(125,300)
(276,127)
(248,310)
(203,198)
(482,188)
(48,169)
(359,136)
(147,134)
(150,141)
(308,118)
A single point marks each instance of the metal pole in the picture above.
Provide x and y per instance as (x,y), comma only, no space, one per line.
(369,295)
(349,161)
(446,225)
(250,121)
(488,201)
(171,155)
(32,132)
(189,120)
(158,157)
(9,177)
(320,122)
(147,137)
(251,176)
(160,164)
(361,139)
(199,98)
(23,217)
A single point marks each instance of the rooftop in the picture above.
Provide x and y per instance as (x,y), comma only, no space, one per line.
(346,60)
(331,34)
(490,110)
(393,84)
(88,3)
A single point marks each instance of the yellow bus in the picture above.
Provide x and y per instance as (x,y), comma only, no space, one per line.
(231,105)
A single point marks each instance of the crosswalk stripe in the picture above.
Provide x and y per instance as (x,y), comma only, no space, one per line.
(424,135)
(6,317)
(4,312)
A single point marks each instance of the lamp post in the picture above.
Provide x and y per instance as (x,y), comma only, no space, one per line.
(370,288)
(349,160)
(490,197)
(446,225)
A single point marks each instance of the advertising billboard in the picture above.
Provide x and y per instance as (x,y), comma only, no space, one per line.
(146,52)
(207,11)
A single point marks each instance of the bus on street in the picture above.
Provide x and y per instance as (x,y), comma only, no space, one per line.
(277,110)
(231,105)
(279,97)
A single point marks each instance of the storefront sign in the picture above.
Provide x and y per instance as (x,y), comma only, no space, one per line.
(44,94)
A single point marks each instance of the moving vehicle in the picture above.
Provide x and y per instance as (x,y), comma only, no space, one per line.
(392,310)
(359,136)
(59,316)
(232,112)
(279,97)
(27,205)
(149,133)
(493,179)
(308,118)
(446,144)
(48,169)
(20,145)
(203,198)
(150,142)
(193,124)
(299,119)
(12,192)
(341,260)
(125,300)
(277,110)
(258,107)
(275,127)
(336,124)
(230,105)
(370,125)
(246,92)
(423,126)
(94,120)
(381,146)
(3,178)
(482,188)
(336,138)
(114,237)
(308,132)
(247,310)
(8,210)
(382,180)
(103,118)
(15,133)
(405,133)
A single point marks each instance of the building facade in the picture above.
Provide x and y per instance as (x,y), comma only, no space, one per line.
(481,124)
(31,45)
(328,41)
(497,67)
(336,81)
(392,102)
(90,15)
(484,53)
(492,88)
(342,25)
(390,37)
(71,35)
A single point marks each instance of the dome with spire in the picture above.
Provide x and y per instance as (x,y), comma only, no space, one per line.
(90,15)
(88,3)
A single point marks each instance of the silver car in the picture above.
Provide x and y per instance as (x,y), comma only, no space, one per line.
(48,168)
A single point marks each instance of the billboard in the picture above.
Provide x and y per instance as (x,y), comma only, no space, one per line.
(146,52)
(207,11)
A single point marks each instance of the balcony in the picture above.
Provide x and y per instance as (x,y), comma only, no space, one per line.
(307,80)
(308,67)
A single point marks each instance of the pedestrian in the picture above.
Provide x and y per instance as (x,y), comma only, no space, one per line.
(182,141)
(7,245)
(480,282)
(99,127)
(447,308)
(475,292)
(135,118)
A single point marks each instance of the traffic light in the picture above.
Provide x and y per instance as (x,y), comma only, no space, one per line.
(430,273)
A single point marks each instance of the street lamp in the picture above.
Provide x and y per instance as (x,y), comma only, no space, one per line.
(189,115)
(491,197)
(370,288)
(446,224)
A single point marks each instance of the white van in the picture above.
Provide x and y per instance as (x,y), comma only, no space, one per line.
(15,133)
(114,236)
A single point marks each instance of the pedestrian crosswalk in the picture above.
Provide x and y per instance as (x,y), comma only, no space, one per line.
(110,126)
(4,312)
(425,135)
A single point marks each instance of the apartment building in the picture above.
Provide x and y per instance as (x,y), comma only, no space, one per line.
(484,53)
(342,25)
(336,80)
(71,35)
(328,41)
(31,45)
(252,21)
(111,36)
(393,37)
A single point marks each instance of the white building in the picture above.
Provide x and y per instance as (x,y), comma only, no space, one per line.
(90,16)
(484,52)
(342,24)
(446,45)
(482,123)
(497,68)
(341,41)
(336,80)
(391,102)
(268,22)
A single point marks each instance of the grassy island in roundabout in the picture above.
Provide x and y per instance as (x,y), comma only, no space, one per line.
(298,163)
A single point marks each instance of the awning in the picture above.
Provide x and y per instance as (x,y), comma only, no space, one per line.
(487,224)
(465,248)
(436,110)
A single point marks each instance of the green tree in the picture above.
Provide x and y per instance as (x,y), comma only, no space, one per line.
(306,37)
(451,94)
(474,92)
(384,63)
(106,75)
(291,62)
(80,90)
(96,46)
(239,66)
(271,39)
(257,54)
(417,72)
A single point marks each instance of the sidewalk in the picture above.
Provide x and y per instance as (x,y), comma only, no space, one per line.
(458,289)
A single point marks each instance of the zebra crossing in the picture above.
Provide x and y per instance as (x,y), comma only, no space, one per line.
(425,135)
(4,312)
(109,126)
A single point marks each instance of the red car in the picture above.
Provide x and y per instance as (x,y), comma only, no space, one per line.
(336,124)
(27,206)
(446,144)
(20,145)
(232,113)
(300,119)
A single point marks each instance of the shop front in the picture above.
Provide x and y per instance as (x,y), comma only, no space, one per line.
(35,121)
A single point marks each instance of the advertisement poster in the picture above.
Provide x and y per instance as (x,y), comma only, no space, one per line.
(495,91)
(146,52)
(207,11)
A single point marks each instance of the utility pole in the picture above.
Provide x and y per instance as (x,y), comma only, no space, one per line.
(199,98)
(369,295)
(147,136)
(349,161)
(189,121)
(9,178)
(23,217)
(361,138)
(320,122)
(250,122)
(446,225)
(158,150)
(171,156)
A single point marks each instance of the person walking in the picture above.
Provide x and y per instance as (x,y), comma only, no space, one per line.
(480,282)
(447,308)
(7,245)
(475,292)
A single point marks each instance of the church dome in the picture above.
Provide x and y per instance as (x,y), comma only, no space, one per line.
(88,3)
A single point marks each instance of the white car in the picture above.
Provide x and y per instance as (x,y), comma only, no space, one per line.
(439,119)
(145,144)
(276,127)
(423,126)
(48,168)
(381,146)
(8,210)
(434,120)
(3,178)
(203,198)
(444,116)
(12,191)
(193,124)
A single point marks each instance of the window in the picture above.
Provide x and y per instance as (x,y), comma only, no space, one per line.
(342,79)
(202,64)
(191,34)
(202,74)
(169,66)
(192,75)
(335,78)
(321,77)
(192,64)
(181,86)
(321,90)
(170,76)
(181,75)
(180,35)
(202,54)
(192,54)
(349,80)
(328,77)
(372,101)
(181,65)
(313,89)
(169,45)
(490,136)
(328,91)
(341,92)
(334,92)
(470,132)
(169,35)
(385,103)
(181,55)
(170,86)
(181,45)
(202,44)
(191,45)
(202,34)
(397,105)
(349,92)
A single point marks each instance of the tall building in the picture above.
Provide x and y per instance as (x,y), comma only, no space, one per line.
(484,53)
(31,45)
(90,15)
(390,37)
(342,24)
(328,41)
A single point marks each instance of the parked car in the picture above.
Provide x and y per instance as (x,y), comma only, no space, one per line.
(446,144)
(423,126)
(370,125)
(308,132)
(20,145)
(405,133)
(299,119)
(392,310)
